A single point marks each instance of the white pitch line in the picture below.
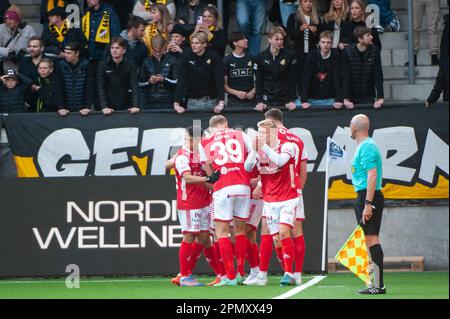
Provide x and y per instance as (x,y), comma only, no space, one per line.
(298,289)
(43,281)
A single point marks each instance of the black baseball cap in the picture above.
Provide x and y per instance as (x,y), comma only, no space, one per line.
(73,46)
(179,29)
(11,73)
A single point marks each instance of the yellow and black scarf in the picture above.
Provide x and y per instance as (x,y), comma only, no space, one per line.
(60,33)
(151,31)
(148,4)
(103,34)
(51,4)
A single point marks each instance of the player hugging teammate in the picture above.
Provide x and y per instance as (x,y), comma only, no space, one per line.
(240,171)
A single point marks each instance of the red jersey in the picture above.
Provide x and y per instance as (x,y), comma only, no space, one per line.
(279,183)
(227,151)
(190,196)
(284,135)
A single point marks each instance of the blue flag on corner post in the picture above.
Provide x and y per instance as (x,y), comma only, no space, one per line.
(336,154)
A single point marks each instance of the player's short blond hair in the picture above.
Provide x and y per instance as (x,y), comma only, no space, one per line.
(217,120)
(267,123)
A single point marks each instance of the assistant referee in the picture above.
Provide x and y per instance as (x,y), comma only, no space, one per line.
(367,179)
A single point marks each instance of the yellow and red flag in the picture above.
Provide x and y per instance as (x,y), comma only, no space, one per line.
(354,255)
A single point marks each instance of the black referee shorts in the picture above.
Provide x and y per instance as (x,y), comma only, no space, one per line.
(371,227)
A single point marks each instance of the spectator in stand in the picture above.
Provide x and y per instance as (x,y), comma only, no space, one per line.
(430,8)
(276,74)
(78,93)
(28,66)
(142,8)
(388,19)
(363,75)
(189,12)
(321,77)
(226,12)
(100,24)
(49,88)
(210,24)
(4,4)
(357,18)
(117,80)
(303,29)
(159,77)
(133,35)
(251,15)
(59,32)
(177,42)
(239,74)
(442,82)
(200,77)
(49,5)
(158,25)
(334,18)
(13,91)
(287,8)
(14,36)
(123,8)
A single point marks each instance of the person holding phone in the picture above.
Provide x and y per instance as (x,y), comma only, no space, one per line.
(210,23)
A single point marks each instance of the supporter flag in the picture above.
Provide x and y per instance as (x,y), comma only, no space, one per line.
(354,255)
(336,154)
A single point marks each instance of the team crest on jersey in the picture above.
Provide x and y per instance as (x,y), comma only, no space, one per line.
(250,64)
(208,61)
(353,169)
(283,62)
(224,170)
(282,131)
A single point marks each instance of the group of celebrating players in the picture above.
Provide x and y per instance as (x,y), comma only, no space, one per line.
(227,183)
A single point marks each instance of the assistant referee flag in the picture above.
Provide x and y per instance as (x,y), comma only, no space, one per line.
(354,255)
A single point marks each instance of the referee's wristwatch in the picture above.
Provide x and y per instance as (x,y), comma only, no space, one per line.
(368,202)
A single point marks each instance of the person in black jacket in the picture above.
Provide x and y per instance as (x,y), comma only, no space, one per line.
(48,5)
(363,74)
(177,43)
(188,13)
(321,78)
(357,19)
(4,5)
(117,80)
(210,24)
(303,28)
(78,90)
(333,20)
(442,81)
(276,74)
(49,88)
(13,90)
(158,76)
(200,77)
(59,32)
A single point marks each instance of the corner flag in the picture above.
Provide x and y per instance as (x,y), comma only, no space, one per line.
(335,152)
(354,255)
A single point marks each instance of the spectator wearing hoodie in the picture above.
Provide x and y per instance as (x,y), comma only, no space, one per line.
(49,88)
(13,91)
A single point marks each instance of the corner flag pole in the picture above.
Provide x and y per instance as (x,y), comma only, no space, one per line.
(325,209)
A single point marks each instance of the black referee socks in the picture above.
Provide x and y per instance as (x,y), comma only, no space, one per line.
(377,258)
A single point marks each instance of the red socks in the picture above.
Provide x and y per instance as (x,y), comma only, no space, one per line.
(299,245)
(265,252)
(219,259)
(252,254)
(241,249)
(196,252)
(279,251)
(184,254)
(211,259)
(226,250)
(288,254)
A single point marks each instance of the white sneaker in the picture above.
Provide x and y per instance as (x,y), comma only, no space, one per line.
(250,278)
(298,278)
(257,281)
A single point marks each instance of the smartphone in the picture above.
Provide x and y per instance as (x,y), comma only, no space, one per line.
(200,20)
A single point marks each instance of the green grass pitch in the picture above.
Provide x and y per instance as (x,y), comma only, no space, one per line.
(400,285)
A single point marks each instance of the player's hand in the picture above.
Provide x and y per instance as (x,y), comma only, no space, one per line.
(257,193)
(214,177)
(367,213)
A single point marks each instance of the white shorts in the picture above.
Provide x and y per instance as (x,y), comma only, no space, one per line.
(301,209)
(231,202)
(280,213)
(255,212)
(194,220)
